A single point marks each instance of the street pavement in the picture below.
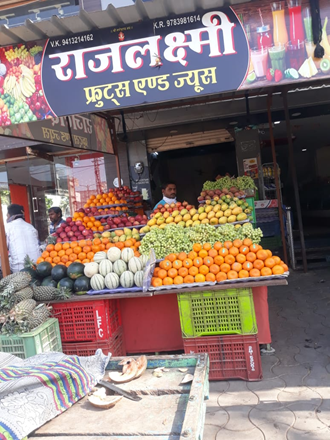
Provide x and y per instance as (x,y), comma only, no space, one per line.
(292,402)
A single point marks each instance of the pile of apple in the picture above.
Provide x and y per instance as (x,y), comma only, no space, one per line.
(71,231)
(127,194)
(217,194)
(172,207)
(124,221)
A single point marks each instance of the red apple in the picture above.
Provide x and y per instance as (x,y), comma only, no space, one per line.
(69,219)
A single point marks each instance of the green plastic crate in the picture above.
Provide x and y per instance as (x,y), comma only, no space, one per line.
(250,202)
(271,243)
(222,312)
(42,339)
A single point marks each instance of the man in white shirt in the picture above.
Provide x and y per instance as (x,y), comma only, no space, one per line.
(22,238)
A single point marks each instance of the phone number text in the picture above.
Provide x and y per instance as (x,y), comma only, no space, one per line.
(176,21)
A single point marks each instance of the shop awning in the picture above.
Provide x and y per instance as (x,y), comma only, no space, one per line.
(87,20)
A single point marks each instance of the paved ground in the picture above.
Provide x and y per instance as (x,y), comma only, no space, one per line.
(292,402)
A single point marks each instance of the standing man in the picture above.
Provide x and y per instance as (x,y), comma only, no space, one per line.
(169,194)
(22,238)
(55,216)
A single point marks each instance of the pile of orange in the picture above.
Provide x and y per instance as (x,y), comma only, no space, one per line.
(82,251)
(106,199)
(230,260)
(88,222)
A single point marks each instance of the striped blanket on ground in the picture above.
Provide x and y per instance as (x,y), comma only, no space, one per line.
(35,390)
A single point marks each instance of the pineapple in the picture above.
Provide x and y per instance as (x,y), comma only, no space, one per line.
(44,293)
(22,310)
(19,282)
(62,294)
(26,293)
(39,315)
(6,280)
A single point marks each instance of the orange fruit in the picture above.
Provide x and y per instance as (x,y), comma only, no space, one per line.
(177,264)
(214,268)
(156,270)
(233,251)
(87,249)
(64,259)
(228,244)
(243,274)
(178,280)
(207,246)
(82,256)
(270,253)
(223,252)
(65,246)
(172,273)
(156,282)
(258,264)
(229,259)
(248,265)
(128,243)
(232,275)
(213,253)
(73,244)
(198,262)
(199,278)
(278,270)
(193,271)
(69,251)
(182,256)
(251,256)
(204,269)
(266,271)
(244,250)
(197,247)
(58,247)
(171,257)
(187,263)
(50,247)
(270,262)
(53,254)
(203,253)
(255,273)
(219,260)
(236,266)
(221,276)
(225,268)
(192,255)
(167,281)
(285,267)
(45,254)
(183,272)
(90,255)
(247,242)
(188,279)
(208,261)
(217,246)
(254,248)
(241,258)
(162,274)
(277,259)
(237,243)
(49,260)
(61,253)
(262,255)
(166,264)
(73,257)
(210,277)
(56,260)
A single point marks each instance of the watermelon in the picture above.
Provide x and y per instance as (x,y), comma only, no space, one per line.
(105,267)
(91,269)
(119,267)
(44,269)
(81,285)
(127,254)
(127,279)
(138,278)
(113,254)
(99,256)
(135,264)
(112,281)
(58,272)
(75,270)
(67,283)
(97,282)
(48,281)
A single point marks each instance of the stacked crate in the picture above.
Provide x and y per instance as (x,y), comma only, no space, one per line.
(86,326)
(223,324)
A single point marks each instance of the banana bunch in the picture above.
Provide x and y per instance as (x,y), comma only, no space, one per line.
(17,92)
(27,85)
(9,84)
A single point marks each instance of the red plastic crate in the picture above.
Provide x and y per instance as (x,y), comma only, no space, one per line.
(88,320)
(114,345)
(231,357)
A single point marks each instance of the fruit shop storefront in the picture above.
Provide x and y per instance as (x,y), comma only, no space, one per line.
(187,57)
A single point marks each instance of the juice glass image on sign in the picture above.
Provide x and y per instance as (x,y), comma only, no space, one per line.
(280,32)
(296,24)
(277,57)
(310,48)
(296,54)
(259,58)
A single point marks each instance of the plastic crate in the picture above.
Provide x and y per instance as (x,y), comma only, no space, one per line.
(231,357)
(270,229)
(271,243)
(114,345)
(218,312)
(90,321)
(42,339)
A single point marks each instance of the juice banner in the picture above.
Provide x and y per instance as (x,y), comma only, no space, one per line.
(202,53)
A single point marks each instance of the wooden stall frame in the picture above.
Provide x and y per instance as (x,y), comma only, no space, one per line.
(3,247)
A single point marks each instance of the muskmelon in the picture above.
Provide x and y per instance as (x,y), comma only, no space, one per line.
(138,278)
(91,269)
(127,279)
(144,259)
(119,267)
(134,264)
(112,281)
(113,254)
(105,267)
(127,254)
(97,282)
(99,256)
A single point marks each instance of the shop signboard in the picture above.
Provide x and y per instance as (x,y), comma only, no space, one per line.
(174,58)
